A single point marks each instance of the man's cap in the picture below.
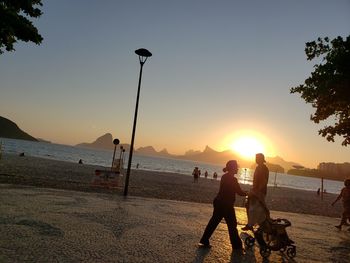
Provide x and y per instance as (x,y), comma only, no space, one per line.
(261,157)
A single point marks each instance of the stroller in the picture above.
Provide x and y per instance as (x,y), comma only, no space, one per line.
(271,234)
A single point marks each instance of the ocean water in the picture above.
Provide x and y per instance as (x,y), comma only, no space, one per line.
(150,163)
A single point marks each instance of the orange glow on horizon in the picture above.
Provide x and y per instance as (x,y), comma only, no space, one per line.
(247,146)
(247,143)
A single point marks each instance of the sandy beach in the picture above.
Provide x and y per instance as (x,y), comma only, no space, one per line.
(65,175)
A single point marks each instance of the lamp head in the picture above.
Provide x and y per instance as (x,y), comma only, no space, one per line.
(143,55)
(142,52)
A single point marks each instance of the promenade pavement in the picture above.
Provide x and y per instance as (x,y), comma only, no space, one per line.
(50,225)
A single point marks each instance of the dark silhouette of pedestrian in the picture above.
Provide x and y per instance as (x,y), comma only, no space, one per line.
(195,173)
(224,208)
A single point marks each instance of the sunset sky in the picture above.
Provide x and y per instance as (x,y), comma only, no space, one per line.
(220,70)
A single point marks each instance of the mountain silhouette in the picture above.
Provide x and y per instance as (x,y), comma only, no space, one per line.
(9,129)
(279,161)
(148,150)
(208,155)
(103,142)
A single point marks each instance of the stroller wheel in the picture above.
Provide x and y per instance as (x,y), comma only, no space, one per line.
(265,252)
(291,252)
(249,241)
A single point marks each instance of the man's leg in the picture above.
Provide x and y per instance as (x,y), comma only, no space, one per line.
(247,226)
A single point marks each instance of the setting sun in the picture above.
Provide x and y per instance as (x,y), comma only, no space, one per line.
(248,142)
(247,146)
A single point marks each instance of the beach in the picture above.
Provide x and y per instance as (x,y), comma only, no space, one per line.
(34,171)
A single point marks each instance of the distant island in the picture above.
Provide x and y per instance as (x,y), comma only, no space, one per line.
(208,155)
(9,129)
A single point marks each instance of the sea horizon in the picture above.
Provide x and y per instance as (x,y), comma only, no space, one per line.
(102,157)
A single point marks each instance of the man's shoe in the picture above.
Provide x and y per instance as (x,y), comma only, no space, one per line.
(339,227)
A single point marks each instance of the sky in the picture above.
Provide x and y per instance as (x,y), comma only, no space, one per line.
(219,70)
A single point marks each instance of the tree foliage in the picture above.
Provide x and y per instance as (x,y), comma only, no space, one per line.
(15,25)
(328,87)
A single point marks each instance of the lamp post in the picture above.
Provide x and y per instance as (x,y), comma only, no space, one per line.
(143,55)
(120,157)
(115,142)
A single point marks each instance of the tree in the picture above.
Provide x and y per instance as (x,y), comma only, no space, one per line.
(328,87)
(14,23)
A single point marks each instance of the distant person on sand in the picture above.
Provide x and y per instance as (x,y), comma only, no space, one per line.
(224,208)
(195,174)
(206,174)
(215,175)
(318,191)
(258,193)
(80,161)
(345,196)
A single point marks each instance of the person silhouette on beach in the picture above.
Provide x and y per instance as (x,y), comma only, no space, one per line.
(345,196)
(206,174)
(258,192)
(195,173)
(224,208)
(215,175)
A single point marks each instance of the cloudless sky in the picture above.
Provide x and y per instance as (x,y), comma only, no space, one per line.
(219,69)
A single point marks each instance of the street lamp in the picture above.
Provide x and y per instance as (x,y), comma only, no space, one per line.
(143,55)
(120,157)
(115,142)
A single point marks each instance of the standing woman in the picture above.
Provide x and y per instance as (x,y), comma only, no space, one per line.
(224,208)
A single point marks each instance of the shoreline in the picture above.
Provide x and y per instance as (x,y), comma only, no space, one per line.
(41,172)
